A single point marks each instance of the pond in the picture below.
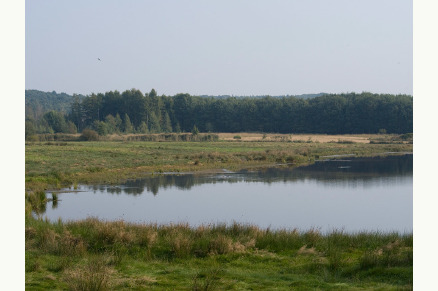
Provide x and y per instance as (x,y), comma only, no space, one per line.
(350,194)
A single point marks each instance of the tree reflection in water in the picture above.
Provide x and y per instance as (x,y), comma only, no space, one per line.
(351,171)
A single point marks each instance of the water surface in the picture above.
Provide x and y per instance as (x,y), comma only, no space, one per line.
(353,194)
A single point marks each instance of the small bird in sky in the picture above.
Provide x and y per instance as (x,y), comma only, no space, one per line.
(99,59)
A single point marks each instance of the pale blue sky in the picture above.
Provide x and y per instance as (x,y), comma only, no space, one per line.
(220,47)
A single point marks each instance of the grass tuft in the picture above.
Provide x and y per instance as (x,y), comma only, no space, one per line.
(94,276)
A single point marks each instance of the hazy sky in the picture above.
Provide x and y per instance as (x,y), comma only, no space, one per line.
(219,47)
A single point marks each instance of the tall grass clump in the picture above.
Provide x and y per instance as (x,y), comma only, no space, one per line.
(279,240)
(176,241)
(334,246)
(54,239)
(392,254)
(206,280)
(103,236)
(94,276)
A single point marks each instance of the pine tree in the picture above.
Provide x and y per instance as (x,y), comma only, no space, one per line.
(154,123)
(177,128)
(167,124)
(127,125)
(195,130)
(143,128)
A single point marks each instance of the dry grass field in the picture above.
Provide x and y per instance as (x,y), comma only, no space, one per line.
(322,138)
(239,136)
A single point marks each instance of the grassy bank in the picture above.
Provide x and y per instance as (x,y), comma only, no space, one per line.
(53,164)
(116,255)
(98,255)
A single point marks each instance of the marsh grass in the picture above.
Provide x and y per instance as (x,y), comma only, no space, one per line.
(94,276)
(58,264)
(69,250)
(406,138)
(49,166)
(208,279)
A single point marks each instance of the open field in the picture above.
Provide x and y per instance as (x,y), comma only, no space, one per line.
(97,255)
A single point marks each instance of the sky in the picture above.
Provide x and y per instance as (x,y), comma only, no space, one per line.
(238,47)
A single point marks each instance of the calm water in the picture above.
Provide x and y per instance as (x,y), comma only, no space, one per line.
(352,194)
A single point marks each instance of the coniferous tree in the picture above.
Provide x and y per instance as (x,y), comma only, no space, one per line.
(177,128)
(143,128)
(329,113)
(195,130)
(167,124)
(127,125)
(119,123)
(154,123)
(76,115)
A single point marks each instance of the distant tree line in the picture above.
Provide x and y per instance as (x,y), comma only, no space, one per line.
(135,112)
(38,102)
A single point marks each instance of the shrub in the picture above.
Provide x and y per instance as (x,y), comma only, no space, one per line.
(345,141)
(89,135)
(407,136)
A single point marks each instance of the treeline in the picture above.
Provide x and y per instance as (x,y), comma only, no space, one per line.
(38,102)
(303,96)
(135,112)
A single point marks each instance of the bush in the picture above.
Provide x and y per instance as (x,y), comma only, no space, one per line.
(407,136)
(89,135)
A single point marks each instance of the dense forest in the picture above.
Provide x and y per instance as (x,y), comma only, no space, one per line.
(134,112)
(39,102)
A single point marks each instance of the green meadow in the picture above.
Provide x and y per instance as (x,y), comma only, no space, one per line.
(56,163)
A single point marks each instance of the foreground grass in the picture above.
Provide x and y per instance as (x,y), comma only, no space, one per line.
(96,255)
